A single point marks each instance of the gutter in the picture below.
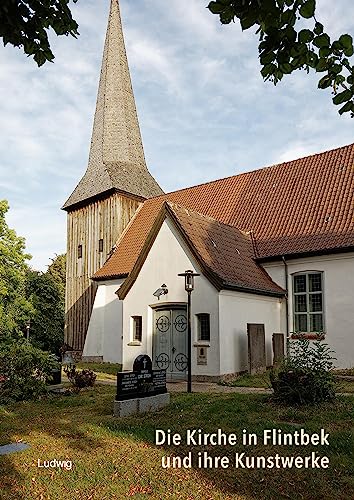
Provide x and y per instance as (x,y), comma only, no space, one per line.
(109,277)
(312,253)
(286,304)
(238,288)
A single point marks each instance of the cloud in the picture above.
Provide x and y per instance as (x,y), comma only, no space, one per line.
(43,230)
(192,17)
(203,107)
(153,62)
(335,16)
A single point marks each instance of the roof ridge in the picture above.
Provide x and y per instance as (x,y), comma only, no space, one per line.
(252,171)
(172,203)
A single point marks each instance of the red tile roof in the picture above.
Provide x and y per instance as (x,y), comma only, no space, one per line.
(224,250)
(296,207)
(224,253)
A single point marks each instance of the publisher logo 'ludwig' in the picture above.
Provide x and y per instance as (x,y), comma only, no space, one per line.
(55,464)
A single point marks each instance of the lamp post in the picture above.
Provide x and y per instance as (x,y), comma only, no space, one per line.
(189,287)
(28,325)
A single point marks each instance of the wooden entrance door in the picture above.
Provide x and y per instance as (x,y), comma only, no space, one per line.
(170,342)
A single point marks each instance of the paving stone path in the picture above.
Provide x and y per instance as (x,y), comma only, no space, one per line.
(212,387)
(202,387)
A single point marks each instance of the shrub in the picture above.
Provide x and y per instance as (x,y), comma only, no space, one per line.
(80,378)
(305,376)
(24,370)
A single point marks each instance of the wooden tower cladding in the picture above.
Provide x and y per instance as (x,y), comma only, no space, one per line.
(115,183)
(92,232)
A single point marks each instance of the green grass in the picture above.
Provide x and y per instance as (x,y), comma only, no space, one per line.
(346,386)
(346,371)
(117,458)
(260,380)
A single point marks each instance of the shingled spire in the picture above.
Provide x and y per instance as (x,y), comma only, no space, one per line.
(116,160)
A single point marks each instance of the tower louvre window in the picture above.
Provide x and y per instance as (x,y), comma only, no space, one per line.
(100,245)
(79,252)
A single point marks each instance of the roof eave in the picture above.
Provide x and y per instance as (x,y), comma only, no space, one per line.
(256,291)
(99,196)
(109,277)
(299,255)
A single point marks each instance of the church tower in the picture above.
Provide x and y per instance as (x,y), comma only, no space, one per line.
(114,185)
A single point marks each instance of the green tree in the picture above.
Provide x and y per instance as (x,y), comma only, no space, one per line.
(46,291)
(57,269)
(25,24)
(15,309)
(287,43)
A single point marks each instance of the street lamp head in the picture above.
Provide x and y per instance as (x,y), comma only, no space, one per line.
(189,280)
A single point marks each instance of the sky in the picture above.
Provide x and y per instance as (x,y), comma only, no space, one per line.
(204,110)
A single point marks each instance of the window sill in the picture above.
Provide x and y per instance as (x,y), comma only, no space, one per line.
(202,343)
(134,343)
(308,336)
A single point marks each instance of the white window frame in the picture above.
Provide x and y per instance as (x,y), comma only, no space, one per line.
(134,329)
(307,293)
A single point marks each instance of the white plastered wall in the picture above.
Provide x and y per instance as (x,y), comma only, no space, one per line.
(104,334)
(168,257)
(236,310)
(338,272)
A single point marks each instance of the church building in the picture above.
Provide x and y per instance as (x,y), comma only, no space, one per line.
(274,247)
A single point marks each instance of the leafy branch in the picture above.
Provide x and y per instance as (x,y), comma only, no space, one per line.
(285,46)
(25,24)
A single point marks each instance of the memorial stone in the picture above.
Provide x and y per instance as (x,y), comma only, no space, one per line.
(142,382)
